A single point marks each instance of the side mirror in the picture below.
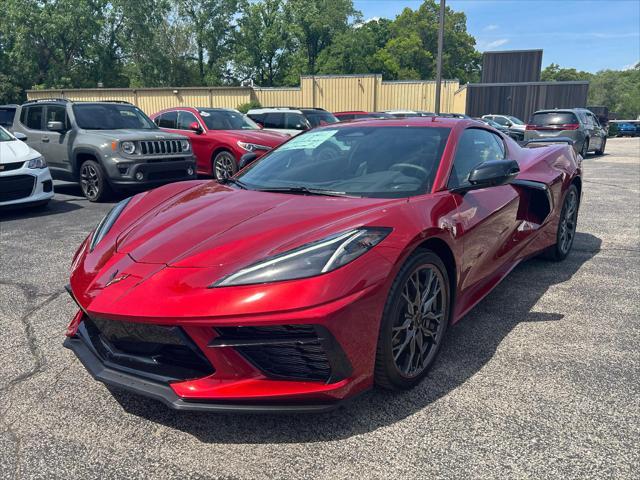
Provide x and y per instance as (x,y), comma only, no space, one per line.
(508,124)
(491,174)
(195,127)
(260,125)
(246,159)
(55,126)
(20,136)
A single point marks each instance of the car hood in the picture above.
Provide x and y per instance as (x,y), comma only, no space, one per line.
(136,134)
(213,225)
(260,137)
(16,151)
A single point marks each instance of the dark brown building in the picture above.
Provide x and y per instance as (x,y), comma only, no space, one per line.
(511,66)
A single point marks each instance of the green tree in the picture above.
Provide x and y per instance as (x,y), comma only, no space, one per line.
(553,73)
(617,89)
(213,27)
(263,45)
(354,50)
(314,25)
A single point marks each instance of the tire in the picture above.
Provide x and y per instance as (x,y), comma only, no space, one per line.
(601,150)
(224,165)
(394,366)
(93,182)
(566,226)
(585,148)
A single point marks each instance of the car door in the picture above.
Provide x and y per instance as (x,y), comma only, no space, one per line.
(598,131)
(55,145)
(487,217)
(199,141)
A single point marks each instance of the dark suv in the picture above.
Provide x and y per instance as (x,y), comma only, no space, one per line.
(105,146)
(578,124)
(291,120)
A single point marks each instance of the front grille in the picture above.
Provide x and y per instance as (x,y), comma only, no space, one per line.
(6,167)
(299,352)
(160,147)
(16,187)
(153,351)
(167,175)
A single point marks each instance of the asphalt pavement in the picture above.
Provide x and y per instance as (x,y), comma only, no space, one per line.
(540,380)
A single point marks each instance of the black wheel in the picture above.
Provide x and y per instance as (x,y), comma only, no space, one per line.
(566,226)
(414,322)
(93,181)
(585,148)
(224,165)
(600,151)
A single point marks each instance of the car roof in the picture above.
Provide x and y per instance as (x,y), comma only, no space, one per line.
(349,112)
(407,122)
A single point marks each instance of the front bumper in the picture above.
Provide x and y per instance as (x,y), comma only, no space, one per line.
(165,394)
(133,173)
(37,188)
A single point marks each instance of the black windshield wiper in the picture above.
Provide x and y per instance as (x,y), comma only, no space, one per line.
(233,181)
(304,191)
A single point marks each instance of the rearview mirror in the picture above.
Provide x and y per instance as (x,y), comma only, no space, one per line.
(55,126)
(195,127)
(20,136)
(246,159)
(491,174)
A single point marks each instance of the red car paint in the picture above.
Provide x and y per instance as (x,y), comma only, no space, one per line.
(208,143)
(173,242)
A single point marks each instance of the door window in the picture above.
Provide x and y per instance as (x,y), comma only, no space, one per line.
(500,120)
(168,120)
(185,119)
(57,113)
(474,147)
(295,121)
(274,120)
(32,118)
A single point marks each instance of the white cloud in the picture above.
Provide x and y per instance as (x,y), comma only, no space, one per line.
(490,28)
(496,43)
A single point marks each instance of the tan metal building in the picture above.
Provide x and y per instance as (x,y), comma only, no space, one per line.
(332,92)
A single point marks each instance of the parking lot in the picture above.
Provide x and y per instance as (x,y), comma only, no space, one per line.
(540,380)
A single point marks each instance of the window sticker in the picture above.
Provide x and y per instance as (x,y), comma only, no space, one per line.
(308,140)
(204,114)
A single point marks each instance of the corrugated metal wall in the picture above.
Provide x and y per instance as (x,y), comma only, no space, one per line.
(460,100)
(511,66)
(522,99)
(332,92)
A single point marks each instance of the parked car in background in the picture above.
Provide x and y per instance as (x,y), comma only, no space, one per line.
(105,146)
(25,179)
(7,113)
(291,120)
(514,124)
(408,113)
(497,126)
(578,124)
(308,279)
(623,129)
(219,137)
(357,115)
(453,115)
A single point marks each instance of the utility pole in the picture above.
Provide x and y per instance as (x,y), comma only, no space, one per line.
(439,61)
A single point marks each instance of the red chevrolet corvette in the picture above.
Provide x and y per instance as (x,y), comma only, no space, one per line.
(332,264)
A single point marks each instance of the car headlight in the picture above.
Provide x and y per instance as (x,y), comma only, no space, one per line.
(309,260)
(186,145)
(252,147)
(38,162)
(107,222)
(128,147)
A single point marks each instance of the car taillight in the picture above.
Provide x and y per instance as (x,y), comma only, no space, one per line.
(570,126)
(563,126)
(531,127)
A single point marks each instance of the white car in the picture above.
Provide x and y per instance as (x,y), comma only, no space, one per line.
(514,124)
(25,179)
(291,121)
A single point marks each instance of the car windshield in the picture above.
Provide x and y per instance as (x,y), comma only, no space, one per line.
(319,118)
(111,116)
(382,162)
(4,136)
(516,121)
(227,120)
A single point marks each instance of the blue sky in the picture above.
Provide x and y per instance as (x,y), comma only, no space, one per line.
(583,34)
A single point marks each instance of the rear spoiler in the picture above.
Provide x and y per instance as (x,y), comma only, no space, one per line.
(543,142)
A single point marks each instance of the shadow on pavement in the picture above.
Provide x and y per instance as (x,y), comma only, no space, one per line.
(470,344)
